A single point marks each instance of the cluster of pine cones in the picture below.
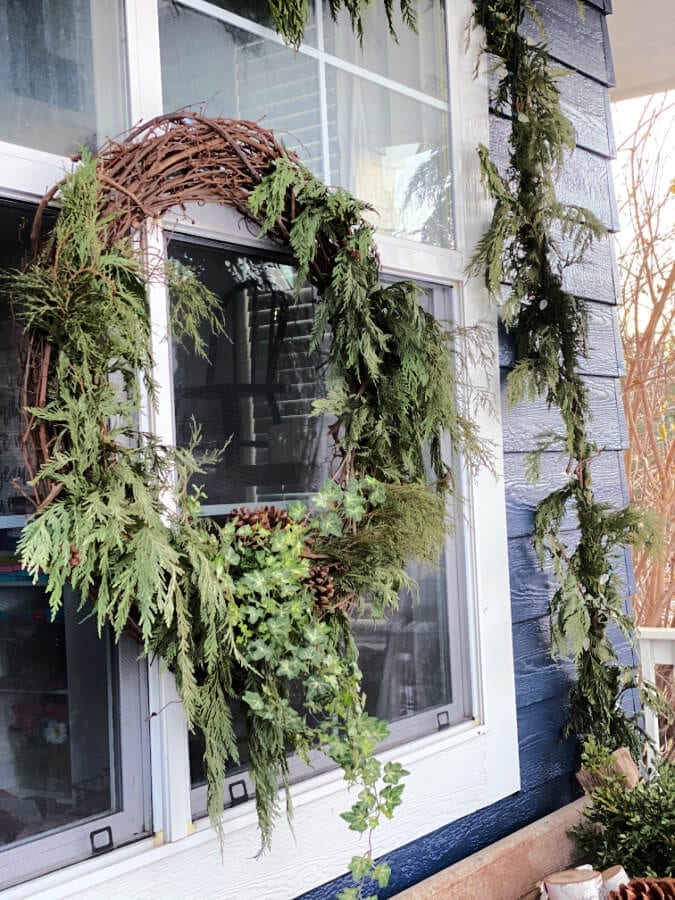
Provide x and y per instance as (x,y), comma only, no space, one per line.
(321,577)
(267,516)
(646,889)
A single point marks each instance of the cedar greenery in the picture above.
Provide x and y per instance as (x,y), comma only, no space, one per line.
(394,386)
(523,247)
(254,609)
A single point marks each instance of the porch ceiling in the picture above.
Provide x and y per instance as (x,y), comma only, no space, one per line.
(642,34)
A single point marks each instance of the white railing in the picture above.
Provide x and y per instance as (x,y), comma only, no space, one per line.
(657,647)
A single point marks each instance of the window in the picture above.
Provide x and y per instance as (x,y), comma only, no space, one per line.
(255,394)
(62,83)
(377,121)
(73,709)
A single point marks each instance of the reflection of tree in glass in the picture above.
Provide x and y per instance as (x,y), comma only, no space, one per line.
(254,10)
(429,190)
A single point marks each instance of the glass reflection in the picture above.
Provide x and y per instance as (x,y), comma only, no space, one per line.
(393,152)
(257,389)
(56,740)
(416,59)
(62,74)
(233,73)
(405,658)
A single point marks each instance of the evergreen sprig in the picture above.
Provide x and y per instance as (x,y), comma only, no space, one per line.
(290,16)
(548,325)
(392,365)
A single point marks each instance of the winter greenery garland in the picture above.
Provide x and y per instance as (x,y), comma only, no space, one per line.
(255,608)
(523,249)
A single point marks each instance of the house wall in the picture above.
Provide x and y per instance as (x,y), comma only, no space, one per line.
(547,764)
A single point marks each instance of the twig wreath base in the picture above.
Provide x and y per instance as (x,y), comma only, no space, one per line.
(256,608)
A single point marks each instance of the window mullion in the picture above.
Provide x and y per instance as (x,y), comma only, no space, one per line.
(143,59)
(323,95)
(168,732)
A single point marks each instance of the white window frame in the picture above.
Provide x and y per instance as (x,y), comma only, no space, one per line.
(440,301)
(453,773)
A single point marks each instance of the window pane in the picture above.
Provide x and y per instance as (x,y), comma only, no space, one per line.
(417,60)
(405,659)
(62,80)
(57,759)
(56,740)
(257,389)
(15,226)
(259,11)
(232,73)
(393,152)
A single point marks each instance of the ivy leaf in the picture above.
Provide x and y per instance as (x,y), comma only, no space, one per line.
(381,874)
(349,894)
(393,773)
(296,510)
(255,580)
(354,507)
(254,701)
(330,524)
(328,497)
(360,867)
(357,821)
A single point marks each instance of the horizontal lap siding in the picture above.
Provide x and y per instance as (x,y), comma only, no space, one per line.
(547,763)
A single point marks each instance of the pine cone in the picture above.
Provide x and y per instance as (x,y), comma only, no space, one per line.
(75,559)
(321,582)
(268,516)
(647,888)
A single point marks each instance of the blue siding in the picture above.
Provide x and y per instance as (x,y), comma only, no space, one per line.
(547,763)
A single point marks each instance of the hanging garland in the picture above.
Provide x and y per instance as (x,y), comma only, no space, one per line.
(522,248)
(548,325)
(255,608)
(290,16)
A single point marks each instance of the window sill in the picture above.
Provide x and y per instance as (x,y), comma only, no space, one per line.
(452,774)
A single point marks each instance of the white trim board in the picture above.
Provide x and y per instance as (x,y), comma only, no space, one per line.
(314,852)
